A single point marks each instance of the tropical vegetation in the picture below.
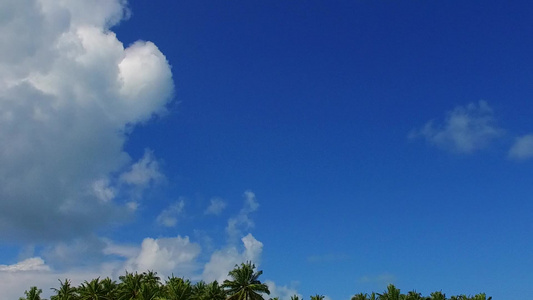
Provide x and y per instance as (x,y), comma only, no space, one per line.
(242,284)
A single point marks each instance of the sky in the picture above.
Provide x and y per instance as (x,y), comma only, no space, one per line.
(339,145)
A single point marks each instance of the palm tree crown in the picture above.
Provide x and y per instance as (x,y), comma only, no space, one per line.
(244,283)
(33,294)
(392,293)
(65,291)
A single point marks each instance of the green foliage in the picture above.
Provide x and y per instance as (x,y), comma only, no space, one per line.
(481,296)
(110,288)
(33,294)
(437,296)
(199,290)
(392,293)
(413,295)
(214,291)
(93,290)
(360,296)
(178,289)
(130,286)
(244,283)
(65,291)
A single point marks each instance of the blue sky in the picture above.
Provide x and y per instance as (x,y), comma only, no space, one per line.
(342,145)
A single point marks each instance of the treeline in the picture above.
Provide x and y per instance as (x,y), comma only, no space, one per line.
(393,293)
(243,284)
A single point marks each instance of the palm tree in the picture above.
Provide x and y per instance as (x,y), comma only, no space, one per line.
(317,297)
(360,296)
(295,297)
(481,296)
(199,289)
(437,296)
(151,278)
(110,288)
(244,283)
(93,290)
(178,289)
(413,295)
(214,291)
(151,287)
(392,293)
(33,294)
(65,291)
(130,286)
(149,292)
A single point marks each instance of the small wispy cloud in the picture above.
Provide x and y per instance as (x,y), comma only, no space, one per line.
(216,206)
(242,221)
(465,129)
(283,292)
(143,172)
(103,190)
(522,148)
(169,216)
(79,252)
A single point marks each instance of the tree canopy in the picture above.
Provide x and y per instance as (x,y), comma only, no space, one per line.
(243,283)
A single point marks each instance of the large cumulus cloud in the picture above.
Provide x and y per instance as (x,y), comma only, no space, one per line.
(69,92)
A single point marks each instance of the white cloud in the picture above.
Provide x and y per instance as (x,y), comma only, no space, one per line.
(69,93)
(177,255)
(79,252)
(222,261)
(251,203)
(465,129)
(216,206)
(169,216)
(283,292)
(143,172)
(166,256)
(242,221)
(522,147)
(100,13)
(14,283)
(132,205)
(30,264)
(252,248)
(103,191)
(90,256)
(126,251)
